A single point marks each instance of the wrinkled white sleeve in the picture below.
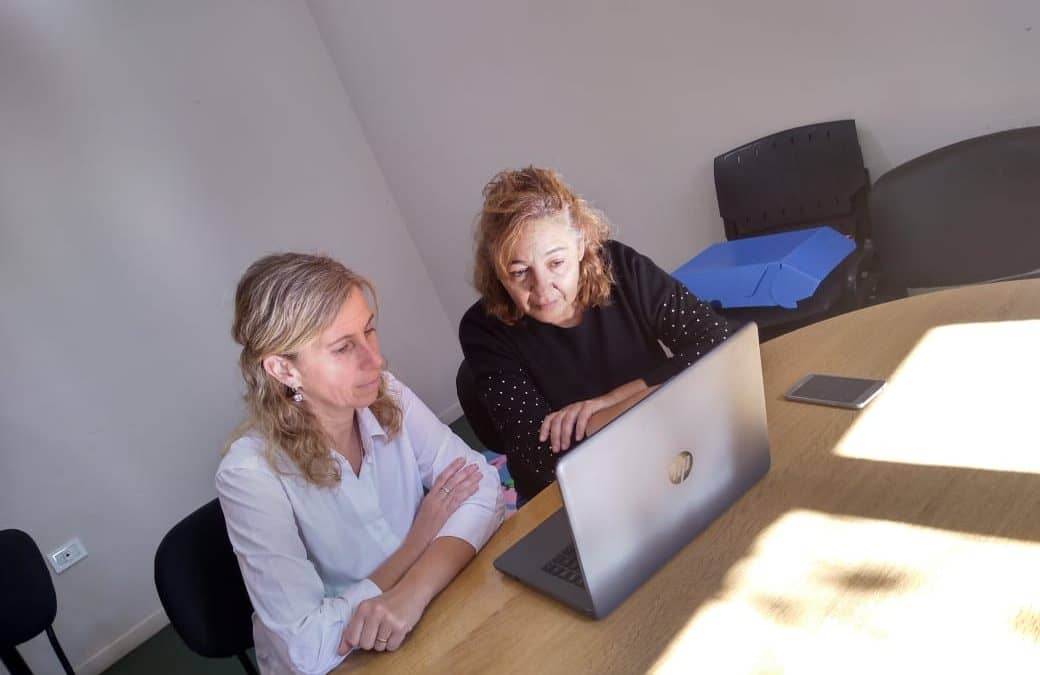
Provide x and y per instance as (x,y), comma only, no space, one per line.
(287,593)
(436,446)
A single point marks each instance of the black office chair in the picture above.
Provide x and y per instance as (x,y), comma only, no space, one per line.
(965,213)
(201,588)
(27,599)
(795,179)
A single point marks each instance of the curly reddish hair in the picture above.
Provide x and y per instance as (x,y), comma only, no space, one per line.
(516,197)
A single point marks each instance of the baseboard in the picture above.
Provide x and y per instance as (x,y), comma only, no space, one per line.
(124,644)
(452,413)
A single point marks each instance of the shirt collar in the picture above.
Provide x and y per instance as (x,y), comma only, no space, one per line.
(368,425)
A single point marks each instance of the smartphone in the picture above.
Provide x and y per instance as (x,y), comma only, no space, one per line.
(843,392)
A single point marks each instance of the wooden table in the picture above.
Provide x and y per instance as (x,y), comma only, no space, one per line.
(905,537)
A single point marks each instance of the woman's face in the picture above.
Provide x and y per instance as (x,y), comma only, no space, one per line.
(542,272)
(339,370)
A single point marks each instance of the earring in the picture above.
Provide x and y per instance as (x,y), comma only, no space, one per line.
(297,395)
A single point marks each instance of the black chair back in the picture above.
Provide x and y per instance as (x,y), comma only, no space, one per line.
(27,598)
(799,178)
(201,588)
(793,179)
(965,213)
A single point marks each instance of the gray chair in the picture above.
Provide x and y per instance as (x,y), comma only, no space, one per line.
(965,213)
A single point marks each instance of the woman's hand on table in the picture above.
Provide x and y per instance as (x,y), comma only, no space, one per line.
(382,623)
(568,424)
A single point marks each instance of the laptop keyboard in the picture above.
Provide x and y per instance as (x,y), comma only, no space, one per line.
(565,566)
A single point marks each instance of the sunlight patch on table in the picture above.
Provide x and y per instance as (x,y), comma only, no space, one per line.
(968,396)
(824,594)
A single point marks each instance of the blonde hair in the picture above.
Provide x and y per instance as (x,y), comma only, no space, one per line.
(516,197)
(283,302)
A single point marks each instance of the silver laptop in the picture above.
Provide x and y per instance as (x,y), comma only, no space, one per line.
(647,483)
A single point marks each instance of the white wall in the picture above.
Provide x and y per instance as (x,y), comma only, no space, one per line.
(632,100)
(150,151)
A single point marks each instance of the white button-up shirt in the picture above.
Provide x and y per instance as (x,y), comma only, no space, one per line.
(306,552)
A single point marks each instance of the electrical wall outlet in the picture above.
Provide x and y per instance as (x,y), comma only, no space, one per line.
(68,555)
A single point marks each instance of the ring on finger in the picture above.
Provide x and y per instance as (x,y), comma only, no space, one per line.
(446,491)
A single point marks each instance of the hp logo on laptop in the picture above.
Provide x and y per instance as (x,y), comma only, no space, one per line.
(679,469)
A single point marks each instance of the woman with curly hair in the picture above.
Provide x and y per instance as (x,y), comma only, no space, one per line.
(569,322)
(323,491)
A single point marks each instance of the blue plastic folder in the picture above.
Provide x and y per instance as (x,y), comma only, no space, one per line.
(771,270)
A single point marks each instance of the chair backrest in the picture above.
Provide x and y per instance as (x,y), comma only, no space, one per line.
(474,410)
(801,177)
(28,603)
(200,585)
(965,213)
(28,599)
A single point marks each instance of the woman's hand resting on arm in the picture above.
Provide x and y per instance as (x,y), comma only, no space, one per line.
(570,424)
(457,483)
(382,622)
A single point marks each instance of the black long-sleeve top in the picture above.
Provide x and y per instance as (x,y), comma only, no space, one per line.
(529,369)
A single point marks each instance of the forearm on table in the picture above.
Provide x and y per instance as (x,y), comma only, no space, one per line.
(625,391)
(441,562)
(393,569)
(634,392)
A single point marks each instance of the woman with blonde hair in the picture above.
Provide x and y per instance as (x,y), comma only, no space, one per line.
(569,322)
(323,493)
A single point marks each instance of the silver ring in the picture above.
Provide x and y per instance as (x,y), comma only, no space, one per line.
(383,640)
(446,491)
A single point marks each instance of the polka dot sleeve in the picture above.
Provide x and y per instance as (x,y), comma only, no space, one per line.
(515,405)
(517,409)
(682,322)
(688,326)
